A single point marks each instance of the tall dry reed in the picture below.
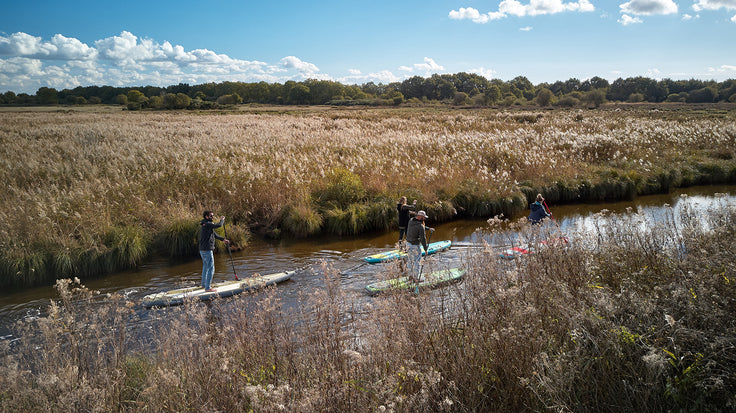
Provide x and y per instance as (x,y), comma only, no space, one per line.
(72,178)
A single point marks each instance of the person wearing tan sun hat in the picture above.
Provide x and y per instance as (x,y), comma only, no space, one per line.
(416,238)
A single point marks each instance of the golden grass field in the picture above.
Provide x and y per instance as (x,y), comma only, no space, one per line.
(83,184)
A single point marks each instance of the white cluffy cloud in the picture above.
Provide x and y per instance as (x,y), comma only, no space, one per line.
(28,62)
(627,20)
(649,7)
(59,47)
(645,8)
(714,5)
(515,8)
(428,66)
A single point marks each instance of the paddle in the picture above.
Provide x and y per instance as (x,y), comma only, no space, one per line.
(426,254)
(550,213)
(230,252)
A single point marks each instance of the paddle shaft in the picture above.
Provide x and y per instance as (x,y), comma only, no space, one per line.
(426,253)
(230,252)
(550,214)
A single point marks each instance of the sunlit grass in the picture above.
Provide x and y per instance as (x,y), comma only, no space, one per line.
(71,177)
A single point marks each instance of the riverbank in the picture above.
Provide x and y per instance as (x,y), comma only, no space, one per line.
(635,315)
(100,192)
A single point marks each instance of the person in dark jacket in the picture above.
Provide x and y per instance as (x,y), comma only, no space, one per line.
(404,215)
(207,237)
(538,211)
(416,239)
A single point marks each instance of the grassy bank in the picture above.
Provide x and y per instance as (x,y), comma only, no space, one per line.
(88,193)
(632,318)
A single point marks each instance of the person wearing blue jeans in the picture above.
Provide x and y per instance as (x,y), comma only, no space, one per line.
(207,237)
(416,239)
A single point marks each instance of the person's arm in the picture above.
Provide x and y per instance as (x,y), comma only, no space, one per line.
(218,225)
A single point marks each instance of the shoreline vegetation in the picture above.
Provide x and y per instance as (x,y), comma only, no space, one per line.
(637,316)
(92,192)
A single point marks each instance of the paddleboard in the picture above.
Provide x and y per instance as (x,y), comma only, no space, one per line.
(528,249)
(222,289)
(399,254)
(431,280)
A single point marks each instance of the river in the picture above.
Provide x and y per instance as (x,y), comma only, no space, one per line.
(343,253)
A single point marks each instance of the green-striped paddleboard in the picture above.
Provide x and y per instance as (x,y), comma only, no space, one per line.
(433,279)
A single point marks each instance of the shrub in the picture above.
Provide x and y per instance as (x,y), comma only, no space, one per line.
(568,101)
(349,221)
(341,188)
(179,238)
(127,246)
(301,220)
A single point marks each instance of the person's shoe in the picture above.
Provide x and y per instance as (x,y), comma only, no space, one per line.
(210,290)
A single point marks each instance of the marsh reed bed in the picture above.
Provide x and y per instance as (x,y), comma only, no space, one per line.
(89,193)
(632,316)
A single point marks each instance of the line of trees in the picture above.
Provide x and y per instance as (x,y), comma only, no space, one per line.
(458,89)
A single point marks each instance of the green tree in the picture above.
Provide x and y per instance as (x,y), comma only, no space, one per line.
(299,94)
(493,93)
(461,98)
(9,97)
(233,99)
(595,97)
(177,101)
(47,96)
(135,96)
(704,95)
(412,87)
(121,100)
(635,97)
(156,102)
(544,97)
(593,83)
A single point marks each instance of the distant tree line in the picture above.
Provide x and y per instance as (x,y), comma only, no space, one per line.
(456,89)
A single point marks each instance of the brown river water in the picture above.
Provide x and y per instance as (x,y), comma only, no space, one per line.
(345,254)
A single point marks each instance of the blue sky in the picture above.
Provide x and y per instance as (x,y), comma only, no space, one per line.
(156,42)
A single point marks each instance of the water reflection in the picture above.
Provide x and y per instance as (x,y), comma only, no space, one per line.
(345,255)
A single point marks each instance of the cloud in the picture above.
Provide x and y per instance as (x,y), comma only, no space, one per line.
(714,5)
(526,29)
(60,47)
(687,17)
(354,72)
(28,62)
(654,73)
(649,7)
(470,13)
(293,62)
(627,20)
(723,69)
(516,8)
(383,76)
(733,19)
(428,65)
(486,73)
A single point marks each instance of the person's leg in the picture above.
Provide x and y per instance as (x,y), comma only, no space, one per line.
(414,256)
(208,268)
